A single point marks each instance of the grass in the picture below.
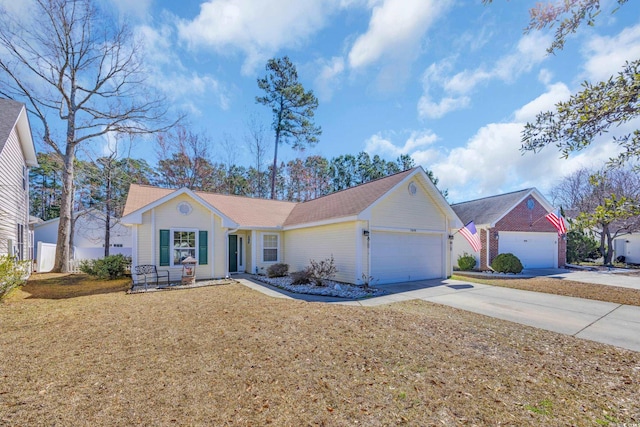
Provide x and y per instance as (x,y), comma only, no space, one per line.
(568,288)
(67,285)
(227,355)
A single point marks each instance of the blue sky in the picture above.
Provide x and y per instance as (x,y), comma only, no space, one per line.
(450,82)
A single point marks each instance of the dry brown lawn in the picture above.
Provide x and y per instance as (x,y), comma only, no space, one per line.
(227,355)
(568,288)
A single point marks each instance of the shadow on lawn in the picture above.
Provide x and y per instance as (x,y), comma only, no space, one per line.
(67,285)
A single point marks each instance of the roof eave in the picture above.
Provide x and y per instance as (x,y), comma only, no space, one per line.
(26,140)
(328,221)
(135,217)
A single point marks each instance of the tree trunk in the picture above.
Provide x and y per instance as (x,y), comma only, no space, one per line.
(107,222)
(61,264)
(609,249)
(275,166)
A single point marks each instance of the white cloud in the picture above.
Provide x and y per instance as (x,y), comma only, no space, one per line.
(545,76)
(396,28)
(529,52)
(256,28)
(419,144)
(546,102)
(606,55)
(137,8)
(328,79)
(434,110)
(184,87)
(492,162)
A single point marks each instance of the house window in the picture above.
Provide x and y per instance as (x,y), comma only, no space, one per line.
(270,248)
(24,177)
(183,244)
(21,249)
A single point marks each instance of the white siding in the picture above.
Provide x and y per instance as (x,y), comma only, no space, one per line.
(167,217)
(402,210)
(14,199)
(461,246)
(629,247)
(319,243)
(394,220)
(88,239)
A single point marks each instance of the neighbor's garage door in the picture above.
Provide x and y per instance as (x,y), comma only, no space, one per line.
(400,257)
(535,250)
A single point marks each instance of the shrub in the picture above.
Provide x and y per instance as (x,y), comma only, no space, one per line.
(581,247)
(302,277)
(110,267)
(506,263)
(322,270)
(466,262)
(12,274)
(367,280)
(278,270)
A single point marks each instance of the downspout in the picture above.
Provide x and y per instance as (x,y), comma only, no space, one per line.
(488,243)
(369,251)
(227,274)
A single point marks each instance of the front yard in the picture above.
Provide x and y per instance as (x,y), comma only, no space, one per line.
(227,355)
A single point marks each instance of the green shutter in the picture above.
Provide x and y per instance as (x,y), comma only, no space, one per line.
(203,248)
(164,247)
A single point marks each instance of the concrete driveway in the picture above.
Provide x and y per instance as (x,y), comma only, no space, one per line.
(614,277)
(599,321)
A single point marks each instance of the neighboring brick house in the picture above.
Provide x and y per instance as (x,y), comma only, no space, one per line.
(512,223)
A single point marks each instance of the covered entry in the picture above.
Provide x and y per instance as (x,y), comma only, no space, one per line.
(398,257)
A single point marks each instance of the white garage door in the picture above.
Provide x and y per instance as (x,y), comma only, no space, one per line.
(535,250)
(402,257)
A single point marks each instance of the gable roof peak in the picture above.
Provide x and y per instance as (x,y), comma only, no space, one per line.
(509,194)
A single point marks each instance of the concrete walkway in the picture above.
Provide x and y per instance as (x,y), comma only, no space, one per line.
(599,321)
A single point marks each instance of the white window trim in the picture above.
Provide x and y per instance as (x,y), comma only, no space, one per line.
(171,241)
(277,248)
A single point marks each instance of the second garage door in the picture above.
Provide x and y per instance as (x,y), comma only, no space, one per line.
(535,250)
(403,257)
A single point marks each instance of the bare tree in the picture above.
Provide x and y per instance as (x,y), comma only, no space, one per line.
(258,146)
(81,75)
(184,161)
(605,203)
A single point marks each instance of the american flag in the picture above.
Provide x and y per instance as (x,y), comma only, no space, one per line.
(555,218)
(471,234)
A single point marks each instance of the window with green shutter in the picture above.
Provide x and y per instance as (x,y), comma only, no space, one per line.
(203,248)
(164,247)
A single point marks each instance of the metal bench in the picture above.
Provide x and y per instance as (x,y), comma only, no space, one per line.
(151,274)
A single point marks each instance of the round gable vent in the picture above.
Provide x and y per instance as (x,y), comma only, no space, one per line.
(412,188)
(184,208)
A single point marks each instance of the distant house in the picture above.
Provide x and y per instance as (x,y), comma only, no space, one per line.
(88,238)
(511,223)
(393,229)
(17,155)
(629,247)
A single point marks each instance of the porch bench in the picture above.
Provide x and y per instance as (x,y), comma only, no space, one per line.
(151,274)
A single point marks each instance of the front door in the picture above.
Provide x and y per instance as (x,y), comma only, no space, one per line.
(233,253)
